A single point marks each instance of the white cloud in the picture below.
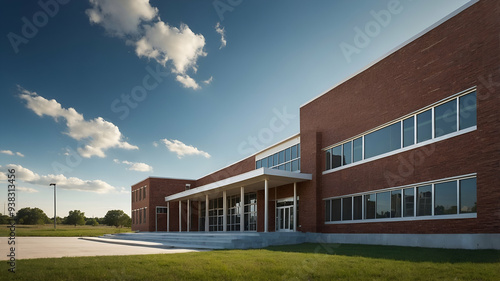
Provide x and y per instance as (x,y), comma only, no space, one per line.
(19,154)
(182,149)
(121,17)
(26,189)
(187,82)
(140,25)
(163,43)
(209,80)
(61,181)
(8,152)
(98,134)
(222,34)
(155,144)
(135,166)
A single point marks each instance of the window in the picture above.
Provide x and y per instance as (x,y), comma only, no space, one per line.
(396,204)
(347,208)
(144,215)
(468,196)
(139,194)
(409,202)
(336,210)
(144,195)
(468,110)
(287,159)
(445,118)
(408,131)
(434,200)
(370,206)
(357,149)
(455,114)
(347,148)
(383,140)
(336,156)
(424,200)
(445,198)
(424,126)
(383,205)
(358,208)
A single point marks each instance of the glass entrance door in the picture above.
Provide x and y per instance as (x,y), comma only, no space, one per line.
(285,218)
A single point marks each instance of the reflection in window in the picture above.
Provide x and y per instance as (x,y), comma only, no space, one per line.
(370,206)
(445,198)
(468,196)
(445,118)
(468,111)
(347,208)
(396,204)
(383,205)
(424,126)
(357,149)
(383,140)
(409,197)
(424,200)
(408,131)
(347,153)
(336,156)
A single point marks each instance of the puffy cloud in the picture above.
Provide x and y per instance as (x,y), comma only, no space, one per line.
(219,29)
(26,189)
(182,149)
(121,17)
(187,82)
(163,43)
(139,24)
(19,154)
(97,135)
(135,166)
(62,182)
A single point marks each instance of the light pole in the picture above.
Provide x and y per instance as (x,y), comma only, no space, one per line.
(55,217)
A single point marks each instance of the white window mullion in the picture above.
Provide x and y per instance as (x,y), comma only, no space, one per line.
(458,118)
(402,133)
(433,134)
(415,129)
(433,195)
(415,201)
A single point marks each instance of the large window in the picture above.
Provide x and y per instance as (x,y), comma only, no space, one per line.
(457,113)
(407,203)
(287,159)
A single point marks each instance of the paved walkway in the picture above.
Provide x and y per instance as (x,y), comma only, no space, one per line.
(57,247)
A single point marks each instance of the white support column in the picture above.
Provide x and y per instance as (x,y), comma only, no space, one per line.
(188,216)
(168,216)
(294,206)
(266,205)
(224,210)
(180,216)
(242,208)
(206,212)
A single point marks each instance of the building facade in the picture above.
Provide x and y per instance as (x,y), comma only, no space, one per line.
(407,149)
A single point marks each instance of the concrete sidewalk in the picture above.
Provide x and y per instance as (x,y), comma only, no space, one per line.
(57,247)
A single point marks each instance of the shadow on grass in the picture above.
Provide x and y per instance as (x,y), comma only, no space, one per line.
(412,254)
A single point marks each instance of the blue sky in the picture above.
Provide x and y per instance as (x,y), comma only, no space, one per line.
(98,95)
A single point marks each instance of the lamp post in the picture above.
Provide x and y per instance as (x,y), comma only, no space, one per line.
(55,217)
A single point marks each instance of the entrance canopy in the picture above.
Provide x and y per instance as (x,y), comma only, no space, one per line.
(252,181)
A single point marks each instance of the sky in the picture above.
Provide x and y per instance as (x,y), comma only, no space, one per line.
(98,95)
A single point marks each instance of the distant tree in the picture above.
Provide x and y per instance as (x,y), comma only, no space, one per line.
(59,220)
(4,219)
(91,221)
(117,218)
(75,218)
(31,216)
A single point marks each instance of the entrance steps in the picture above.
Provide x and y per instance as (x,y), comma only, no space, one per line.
(211,240)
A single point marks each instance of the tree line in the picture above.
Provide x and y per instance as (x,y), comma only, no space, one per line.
(34,216)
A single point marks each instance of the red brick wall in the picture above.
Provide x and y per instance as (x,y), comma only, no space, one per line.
(243,166)
(460,53)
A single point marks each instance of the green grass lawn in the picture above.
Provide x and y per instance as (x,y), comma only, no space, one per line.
(297,262)
(61,230)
